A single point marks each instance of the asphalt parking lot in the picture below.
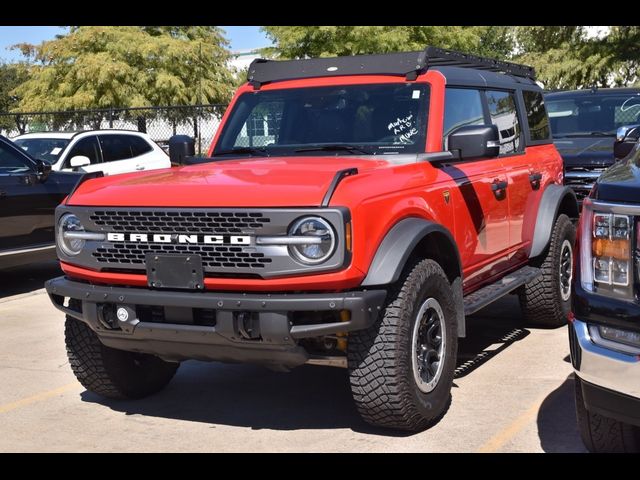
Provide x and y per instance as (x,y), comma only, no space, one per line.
(513,392)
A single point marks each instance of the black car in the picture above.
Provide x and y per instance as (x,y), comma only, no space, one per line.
(29,193)
(605,320)
(584,125)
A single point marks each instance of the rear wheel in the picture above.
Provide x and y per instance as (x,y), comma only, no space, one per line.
(113,373)
(546,300)
(603,434)
(401,368)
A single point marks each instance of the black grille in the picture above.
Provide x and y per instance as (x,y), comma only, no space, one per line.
(213,257)
(178,222)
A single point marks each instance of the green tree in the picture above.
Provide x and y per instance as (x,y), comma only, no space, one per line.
(567,57)
(11,76)
(116,67)
(324,41)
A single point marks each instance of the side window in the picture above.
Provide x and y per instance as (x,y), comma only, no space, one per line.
(11,161)
(139,146)
(87,147)
(536,115)
(502,108)
(115,147)
(462,106)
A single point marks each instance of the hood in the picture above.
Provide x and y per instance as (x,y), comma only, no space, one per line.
(621,182)
(586,151)
(272,182)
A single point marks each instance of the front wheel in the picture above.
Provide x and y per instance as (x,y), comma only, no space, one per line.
(401,368)
(603,434)
(113,373)
(546,300)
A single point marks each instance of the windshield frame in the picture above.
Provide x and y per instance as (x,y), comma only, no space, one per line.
(373,150)
(598,98)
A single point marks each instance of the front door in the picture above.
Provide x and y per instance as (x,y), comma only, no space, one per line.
(480,200)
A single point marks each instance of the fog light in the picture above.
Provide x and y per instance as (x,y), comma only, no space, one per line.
(620,336)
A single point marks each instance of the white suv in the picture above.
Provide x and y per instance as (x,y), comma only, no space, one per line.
(109,151)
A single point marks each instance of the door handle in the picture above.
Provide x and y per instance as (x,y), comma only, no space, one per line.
(139,167)
(499,185)
(3,194)
(534,180)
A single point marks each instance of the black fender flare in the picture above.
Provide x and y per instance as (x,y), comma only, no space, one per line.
(398,244)
(553,198)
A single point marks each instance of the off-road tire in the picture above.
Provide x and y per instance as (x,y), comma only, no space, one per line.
(113,373)
(603,434)
(541,300)
(380,357)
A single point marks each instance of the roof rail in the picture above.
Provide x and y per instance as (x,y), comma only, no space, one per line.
(406,64)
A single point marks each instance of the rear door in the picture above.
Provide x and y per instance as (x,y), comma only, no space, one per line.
(504,114)
(146,156)
(481,213)
(117,154)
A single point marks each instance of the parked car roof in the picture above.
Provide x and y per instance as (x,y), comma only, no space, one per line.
(72,134)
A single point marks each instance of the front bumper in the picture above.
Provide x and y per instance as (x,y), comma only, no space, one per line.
(225,339)
(611,379)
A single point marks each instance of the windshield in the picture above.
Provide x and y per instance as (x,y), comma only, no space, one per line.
(46,149)
(344,120)
(592,114)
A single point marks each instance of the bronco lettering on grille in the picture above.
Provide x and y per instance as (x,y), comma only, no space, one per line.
(179,238)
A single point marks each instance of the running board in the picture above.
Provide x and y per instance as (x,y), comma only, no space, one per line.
(507,284)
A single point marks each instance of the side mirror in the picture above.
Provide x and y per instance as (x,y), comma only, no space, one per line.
(181,147)
(475,141)
(79,161)
(43,169)
(626,138)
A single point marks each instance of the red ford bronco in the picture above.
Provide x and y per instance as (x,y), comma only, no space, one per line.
(352,212)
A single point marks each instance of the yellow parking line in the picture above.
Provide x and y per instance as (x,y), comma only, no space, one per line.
(38,397)
(503,436)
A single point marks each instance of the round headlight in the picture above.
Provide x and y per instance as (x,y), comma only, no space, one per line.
(322,240)
(70,223)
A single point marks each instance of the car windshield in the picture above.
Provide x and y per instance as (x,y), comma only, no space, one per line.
(338,120)
(46,149)
(592,114)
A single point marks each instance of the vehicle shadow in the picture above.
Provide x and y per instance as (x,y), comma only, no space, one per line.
(27,278)
(557,427)
(489,332)
(309,397)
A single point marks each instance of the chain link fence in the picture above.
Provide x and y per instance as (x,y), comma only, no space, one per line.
(160,123)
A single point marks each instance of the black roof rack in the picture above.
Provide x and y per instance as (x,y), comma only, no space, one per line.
(407,64)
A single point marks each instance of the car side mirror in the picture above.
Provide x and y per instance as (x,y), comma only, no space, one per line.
(626,138)
(43,169)
(79,161)
(475,141)
(181,147)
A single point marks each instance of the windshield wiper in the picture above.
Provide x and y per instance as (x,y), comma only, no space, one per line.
(257,151)
(338,147)
(586,134)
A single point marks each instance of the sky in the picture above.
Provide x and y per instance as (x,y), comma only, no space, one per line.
(241,38)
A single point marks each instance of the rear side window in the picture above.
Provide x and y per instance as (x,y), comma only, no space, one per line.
(87,147)
(502,109)
(115,147)
(139,146)
(462,106)
(536,115)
